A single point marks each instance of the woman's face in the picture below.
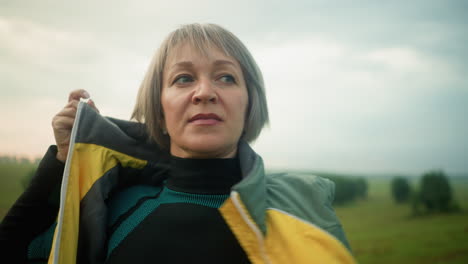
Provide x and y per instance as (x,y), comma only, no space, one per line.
(204,99)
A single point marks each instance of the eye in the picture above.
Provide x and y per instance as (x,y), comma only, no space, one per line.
(227,78)
(183,79)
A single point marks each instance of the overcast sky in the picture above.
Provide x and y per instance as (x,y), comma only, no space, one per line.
(352,86)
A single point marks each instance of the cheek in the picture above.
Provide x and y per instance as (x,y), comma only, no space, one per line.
(173,107)
(239,108)
(168,110)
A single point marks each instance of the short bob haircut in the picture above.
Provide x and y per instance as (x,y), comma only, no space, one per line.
(203,37)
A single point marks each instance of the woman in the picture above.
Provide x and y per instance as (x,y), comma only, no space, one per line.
(181,184)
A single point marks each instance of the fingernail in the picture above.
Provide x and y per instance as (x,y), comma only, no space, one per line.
(86,94)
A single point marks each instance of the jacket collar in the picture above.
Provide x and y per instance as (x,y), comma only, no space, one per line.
(252,187)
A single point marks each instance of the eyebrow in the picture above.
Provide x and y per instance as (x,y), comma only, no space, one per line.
(223,62)
(189,64)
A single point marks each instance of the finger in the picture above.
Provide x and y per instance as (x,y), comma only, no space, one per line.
(77,94)
(72,104)
(91,103)
(62,122)
(65,122)
(68,112)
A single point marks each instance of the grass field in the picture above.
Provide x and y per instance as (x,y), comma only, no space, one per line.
(11,175)
(379,230)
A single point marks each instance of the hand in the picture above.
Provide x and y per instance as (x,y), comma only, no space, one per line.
(62,123)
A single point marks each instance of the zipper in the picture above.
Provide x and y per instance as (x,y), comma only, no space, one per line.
(252,225)
(63,189)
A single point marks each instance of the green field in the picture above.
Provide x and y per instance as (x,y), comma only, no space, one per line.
(11,176)
(379,230)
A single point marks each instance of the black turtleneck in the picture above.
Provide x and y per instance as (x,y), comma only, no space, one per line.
(203,176)
(180,221)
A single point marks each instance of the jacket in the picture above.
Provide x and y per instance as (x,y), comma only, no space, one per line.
(277,218)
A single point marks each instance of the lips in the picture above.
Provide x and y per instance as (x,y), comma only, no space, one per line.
(205,119)
(205,116)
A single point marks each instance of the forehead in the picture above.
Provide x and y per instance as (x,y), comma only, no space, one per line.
(186,52)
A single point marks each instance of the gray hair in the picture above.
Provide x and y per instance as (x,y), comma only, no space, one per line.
(203,37)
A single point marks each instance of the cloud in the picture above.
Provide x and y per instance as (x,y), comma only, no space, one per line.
(43,46)
(402,59)
(27,128)
(41,61)
(339,106)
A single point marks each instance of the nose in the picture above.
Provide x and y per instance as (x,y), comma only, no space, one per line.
(205,92)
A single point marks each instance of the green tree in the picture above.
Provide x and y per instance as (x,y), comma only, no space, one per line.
(401,190)
(361,187)
(345,189)
(436,193)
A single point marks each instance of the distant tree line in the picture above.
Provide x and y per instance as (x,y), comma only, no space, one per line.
(348,188)
(434,195)
(4,159)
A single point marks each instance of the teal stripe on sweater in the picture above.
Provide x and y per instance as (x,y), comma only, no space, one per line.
(123,201)
(167,196)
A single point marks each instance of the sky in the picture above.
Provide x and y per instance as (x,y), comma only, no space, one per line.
(352,86)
